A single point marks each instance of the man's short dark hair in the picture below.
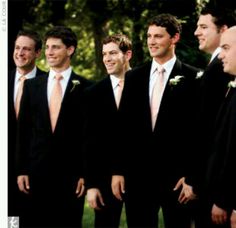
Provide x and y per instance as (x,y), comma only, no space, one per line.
(32,35)
(66,34)
(221,16)
(121,40)
(167,21)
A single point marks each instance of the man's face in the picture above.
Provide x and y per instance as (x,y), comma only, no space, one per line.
(57,54)
(160,43)
(24,54)
(207,34)
(114,59)
(228,51)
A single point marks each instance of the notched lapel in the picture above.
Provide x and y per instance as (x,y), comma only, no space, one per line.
(69,96)
(41,91)
(73,84)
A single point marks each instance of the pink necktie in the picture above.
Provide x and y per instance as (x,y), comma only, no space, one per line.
(19,94)
(55,101)
(157,95)
(119,91)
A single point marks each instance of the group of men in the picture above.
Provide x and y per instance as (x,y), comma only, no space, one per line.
(156,136)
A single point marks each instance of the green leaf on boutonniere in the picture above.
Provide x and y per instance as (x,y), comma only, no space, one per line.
(75,83)
(174,81)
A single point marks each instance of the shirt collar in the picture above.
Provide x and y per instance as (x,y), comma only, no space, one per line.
(215,53)
(66,73)
(30,75)
(167,65)
(114,81)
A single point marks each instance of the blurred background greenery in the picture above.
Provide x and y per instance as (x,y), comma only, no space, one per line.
(92,20)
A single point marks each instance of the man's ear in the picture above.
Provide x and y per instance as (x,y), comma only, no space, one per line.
(38,53)
(175,38)
(70,50)
(223,28)
(128,55)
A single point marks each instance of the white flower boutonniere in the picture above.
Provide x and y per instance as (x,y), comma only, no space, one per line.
(199,74)
(75,83)
(231,84)
(174,81)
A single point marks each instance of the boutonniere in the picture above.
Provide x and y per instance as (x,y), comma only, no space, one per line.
(75,83)
(199,74)
(231,84)
(174,81)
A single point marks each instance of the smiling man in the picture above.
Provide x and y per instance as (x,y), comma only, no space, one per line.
(227,55)
(50,158)
(102,134)
(222,169)
(211,25)
(27,49)
(156,116)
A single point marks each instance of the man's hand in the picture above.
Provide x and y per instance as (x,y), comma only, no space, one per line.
(186,193)
(118,186)
(94,198)
(218,215)
(233,219)
(23,183)
(80,189)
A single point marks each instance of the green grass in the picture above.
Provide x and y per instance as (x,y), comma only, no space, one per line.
(88,218)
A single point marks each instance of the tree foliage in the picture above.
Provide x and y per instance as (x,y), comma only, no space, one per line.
(92,20)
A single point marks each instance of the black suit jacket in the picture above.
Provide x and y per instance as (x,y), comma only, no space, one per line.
(213,88)
(41,153)
(221,167)
(12,125)
(163,156)
(12,120)
(101,133)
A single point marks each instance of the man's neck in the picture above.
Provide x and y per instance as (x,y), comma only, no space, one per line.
(24,71)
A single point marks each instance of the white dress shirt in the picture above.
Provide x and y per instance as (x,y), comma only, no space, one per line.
(168,66)
(30,75)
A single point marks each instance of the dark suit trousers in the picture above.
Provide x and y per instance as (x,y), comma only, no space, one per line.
(109,215)
(202,214)
(142,207)
(54,204)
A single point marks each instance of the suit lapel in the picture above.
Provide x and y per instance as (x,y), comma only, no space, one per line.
(71,88)
(167,95)
(108,92)
(11,85)
(145,81)
(175,71)
(41,91)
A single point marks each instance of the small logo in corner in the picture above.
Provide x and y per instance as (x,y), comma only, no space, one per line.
(13,222)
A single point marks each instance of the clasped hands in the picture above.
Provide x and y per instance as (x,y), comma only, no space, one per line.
(186,193)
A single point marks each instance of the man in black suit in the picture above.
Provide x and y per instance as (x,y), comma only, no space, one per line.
(27,49)
(221,168)
(157,166)
(50,161)
(102,133)
(213,86)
